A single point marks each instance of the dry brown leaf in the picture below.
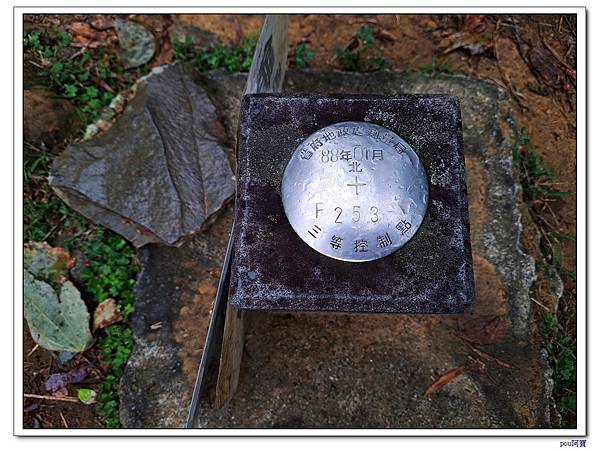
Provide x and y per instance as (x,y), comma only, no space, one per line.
(85,36)
(102,23)
(105,314)
(474,23)
(385,35)
(166,54)
(473,36)
(444,379)
(475,44)
(547,68)
(569,72)
(489,357)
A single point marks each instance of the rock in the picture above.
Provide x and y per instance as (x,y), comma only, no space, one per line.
(355,370)
(136,43)
(159,173)
(48,119)
(175,287)
(200,39)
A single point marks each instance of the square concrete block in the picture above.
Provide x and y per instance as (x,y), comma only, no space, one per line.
(273,269)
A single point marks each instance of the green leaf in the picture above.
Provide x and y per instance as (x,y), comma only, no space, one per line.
(64,38)
(86,396)
(95,104)
(92,92)
(303,54)
(56,70)
(107,97)
(366,35)
(57,322)
(70,90)
(569,402)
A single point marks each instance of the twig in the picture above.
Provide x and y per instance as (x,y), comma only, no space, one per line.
(78,52)
(497,82)
(519,42)
(541,216)
(64,420)
(569,50)
(485,355)
(540,304)
(93,366)
(573,32)
(560,24)
(39,66)
(568,69)
(49,397)
(49,233)
(542,232)
(516,95)
(355,21)
(32,350)
(551,211)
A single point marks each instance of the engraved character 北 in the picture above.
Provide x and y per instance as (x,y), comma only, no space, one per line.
(355,166)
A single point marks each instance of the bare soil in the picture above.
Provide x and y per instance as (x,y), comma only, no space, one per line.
(38,364)
(411,41)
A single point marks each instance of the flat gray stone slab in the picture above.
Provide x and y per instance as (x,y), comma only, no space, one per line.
(160,172)
(355,370)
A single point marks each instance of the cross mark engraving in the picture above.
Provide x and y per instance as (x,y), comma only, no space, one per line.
(356,184)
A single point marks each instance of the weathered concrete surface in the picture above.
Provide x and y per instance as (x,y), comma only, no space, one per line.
(343,370)
(174,293)
(160,172)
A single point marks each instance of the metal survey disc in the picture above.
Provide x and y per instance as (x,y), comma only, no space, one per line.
(355,191)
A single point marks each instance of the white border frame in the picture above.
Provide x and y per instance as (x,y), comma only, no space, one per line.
(235,9)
